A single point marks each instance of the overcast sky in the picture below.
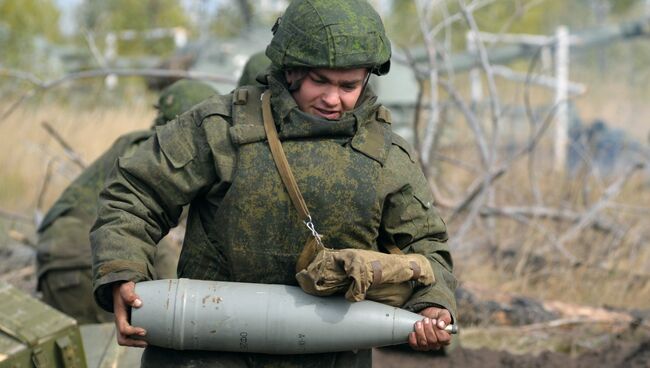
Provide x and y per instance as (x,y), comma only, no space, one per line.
(66,22)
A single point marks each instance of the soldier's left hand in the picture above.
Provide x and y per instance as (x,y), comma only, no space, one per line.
(125,298)
(429,333)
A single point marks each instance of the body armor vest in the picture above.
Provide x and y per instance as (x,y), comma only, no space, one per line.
(250,232)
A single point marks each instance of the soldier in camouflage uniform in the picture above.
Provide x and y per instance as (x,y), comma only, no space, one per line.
(361,182)
(63,250)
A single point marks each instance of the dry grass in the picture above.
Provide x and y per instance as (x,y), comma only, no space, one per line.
(27,147)
(521,256)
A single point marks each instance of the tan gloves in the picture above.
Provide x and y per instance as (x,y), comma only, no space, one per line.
(365,274)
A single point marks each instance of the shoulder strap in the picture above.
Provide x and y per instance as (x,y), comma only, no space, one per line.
(286,174)
(215,105)
(247,126)
(283,166)
(373,137)
(392,249)
(281,159)
(245,105)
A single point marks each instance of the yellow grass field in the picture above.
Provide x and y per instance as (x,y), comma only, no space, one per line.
(27,147)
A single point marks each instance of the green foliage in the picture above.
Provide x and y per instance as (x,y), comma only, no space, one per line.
(20,22)
(234,17)
(508,16)
(621,6)
(517,16)
(228,22)
(102,16)
(403,12)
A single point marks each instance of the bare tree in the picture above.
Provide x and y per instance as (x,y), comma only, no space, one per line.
(473,213)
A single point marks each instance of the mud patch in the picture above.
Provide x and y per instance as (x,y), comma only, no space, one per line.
(629,350)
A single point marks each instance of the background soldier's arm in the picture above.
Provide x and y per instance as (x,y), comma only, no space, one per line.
(144,198)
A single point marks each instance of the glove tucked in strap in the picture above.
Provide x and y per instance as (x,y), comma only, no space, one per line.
(365,274)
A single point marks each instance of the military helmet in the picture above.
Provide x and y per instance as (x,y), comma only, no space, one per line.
(179,97)
(256,64)
(335,34)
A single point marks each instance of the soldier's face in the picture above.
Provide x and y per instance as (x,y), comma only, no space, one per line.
(328,93)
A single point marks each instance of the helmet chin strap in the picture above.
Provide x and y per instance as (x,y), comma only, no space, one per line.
(363,88)
(296,83)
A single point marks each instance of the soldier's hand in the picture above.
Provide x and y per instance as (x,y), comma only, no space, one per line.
(124,298)
(429,333)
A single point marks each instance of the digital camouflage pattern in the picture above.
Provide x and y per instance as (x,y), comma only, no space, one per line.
(330,34)
(360,181)
(256,64)
(63,248)
(64,256)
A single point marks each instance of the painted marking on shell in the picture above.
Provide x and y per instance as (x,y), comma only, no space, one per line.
(211,298)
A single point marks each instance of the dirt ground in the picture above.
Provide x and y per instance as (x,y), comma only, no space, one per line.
(624,354)
(584,346)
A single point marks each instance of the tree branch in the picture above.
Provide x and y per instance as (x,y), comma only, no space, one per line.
(590,215)
(67,148)
(480,185)
(549,213)
(40,85)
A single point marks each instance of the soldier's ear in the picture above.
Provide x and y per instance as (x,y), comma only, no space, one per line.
(294,78)
(290,76)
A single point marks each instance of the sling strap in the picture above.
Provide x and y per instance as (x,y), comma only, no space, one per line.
(282,164)
(392,248)
(286,174)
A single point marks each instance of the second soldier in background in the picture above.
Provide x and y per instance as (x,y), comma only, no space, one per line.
(63,248)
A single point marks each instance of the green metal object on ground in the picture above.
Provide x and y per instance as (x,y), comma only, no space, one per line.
(33,334)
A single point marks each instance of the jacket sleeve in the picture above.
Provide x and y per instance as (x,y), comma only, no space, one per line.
(412,223)
(144,196)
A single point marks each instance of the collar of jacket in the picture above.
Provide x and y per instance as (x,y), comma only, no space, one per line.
(293,123)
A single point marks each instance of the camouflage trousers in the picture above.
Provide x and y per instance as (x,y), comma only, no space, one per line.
(71,292)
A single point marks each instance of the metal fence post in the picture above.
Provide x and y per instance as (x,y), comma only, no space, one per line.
(561,94)
(476,87)
(110,54)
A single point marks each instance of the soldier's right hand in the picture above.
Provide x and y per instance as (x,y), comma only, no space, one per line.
(124,298)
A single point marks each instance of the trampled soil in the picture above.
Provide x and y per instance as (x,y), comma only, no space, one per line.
(626,347)
(624,354)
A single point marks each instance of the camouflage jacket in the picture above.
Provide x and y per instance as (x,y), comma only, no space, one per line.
(63,241)
(360,181)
